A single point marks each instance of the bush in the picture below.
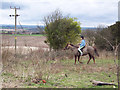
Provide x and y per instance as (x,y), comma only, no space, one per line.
(61,30)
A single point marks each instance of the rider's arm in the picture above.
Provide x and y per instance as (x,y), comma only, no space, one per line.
(82,43)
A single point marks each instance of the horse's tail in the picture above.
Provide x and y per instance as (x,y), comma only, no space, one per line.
(96,51)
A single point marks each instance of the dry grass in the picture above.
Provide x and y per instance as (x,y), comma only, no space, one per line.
(33,65)
(41,64)
(36,41)
(54,67)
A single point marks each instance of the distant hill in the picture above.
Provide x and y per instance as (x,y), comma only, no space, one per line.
(86,28)
(33,27)
(18,26)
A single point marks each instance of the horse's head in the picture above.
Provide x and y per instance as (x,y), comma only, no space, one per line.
(68,46)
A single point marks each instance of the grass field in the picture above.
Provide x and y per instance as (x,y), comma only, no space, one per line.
(57,73)
(79,76)
(57,69)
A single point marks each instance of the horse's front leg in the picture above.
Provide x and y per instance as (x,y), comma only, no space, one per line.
(78,58)
(75,59)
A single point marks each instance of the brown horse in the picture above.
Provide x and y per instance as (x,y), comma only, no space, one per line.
(88,50)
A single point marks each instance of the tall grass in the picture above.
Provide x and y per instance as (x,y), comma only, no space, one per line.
(25,67)
(21,70)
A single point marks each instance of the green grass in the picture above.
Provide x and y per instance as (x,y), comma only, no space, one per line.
(78,76)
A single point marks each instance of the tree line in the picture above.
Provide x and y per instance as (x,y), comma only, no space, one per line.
(104,38)
(61,30)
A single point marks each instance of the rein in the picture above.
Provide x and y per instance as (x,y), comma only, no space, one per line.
(74,46)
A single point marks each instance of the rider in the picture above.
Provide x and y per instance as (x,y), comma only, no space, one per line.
(82,45)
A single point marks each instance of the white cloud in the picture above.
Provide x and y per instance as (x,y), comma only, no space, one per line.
(89,12)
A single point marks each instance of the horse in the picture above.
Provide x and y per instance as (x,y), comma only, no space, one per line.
(87,50)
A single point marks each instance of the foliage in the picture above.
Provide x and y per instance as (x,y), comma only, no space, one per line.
(104,37)
(61,30)
(115,31)
(111,36)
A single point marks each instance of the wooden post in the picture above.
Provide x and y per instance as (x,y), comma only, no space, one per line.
(118,68)
(15,25)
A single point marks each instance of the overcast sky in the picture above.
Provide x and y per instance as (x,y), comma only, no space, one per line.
(89,12)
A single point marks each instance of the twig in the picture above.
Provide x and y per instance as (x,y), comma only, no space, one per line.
(99,83)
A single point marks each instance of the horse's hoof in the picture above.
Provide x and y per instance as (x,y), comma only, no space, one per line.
(81,62)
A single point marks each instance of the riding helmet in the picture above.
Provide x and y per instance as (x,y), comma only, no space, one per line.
(82,37)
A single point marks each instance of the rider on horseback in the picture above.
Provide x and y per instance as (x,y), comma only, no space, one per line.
(82,45)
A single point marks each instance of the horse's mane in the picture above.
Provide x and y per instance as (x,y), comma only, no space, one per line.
(74,46)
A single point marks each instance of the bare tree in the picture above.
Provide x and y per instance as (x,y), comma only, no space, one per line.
(112,37)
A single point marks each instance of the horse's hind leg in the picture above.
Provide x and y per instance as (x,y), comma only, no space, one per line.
(93,59)
(89,58)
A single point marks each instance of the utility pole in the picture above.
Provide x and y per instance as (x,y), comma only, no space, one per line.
(118,68)
(15,8)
